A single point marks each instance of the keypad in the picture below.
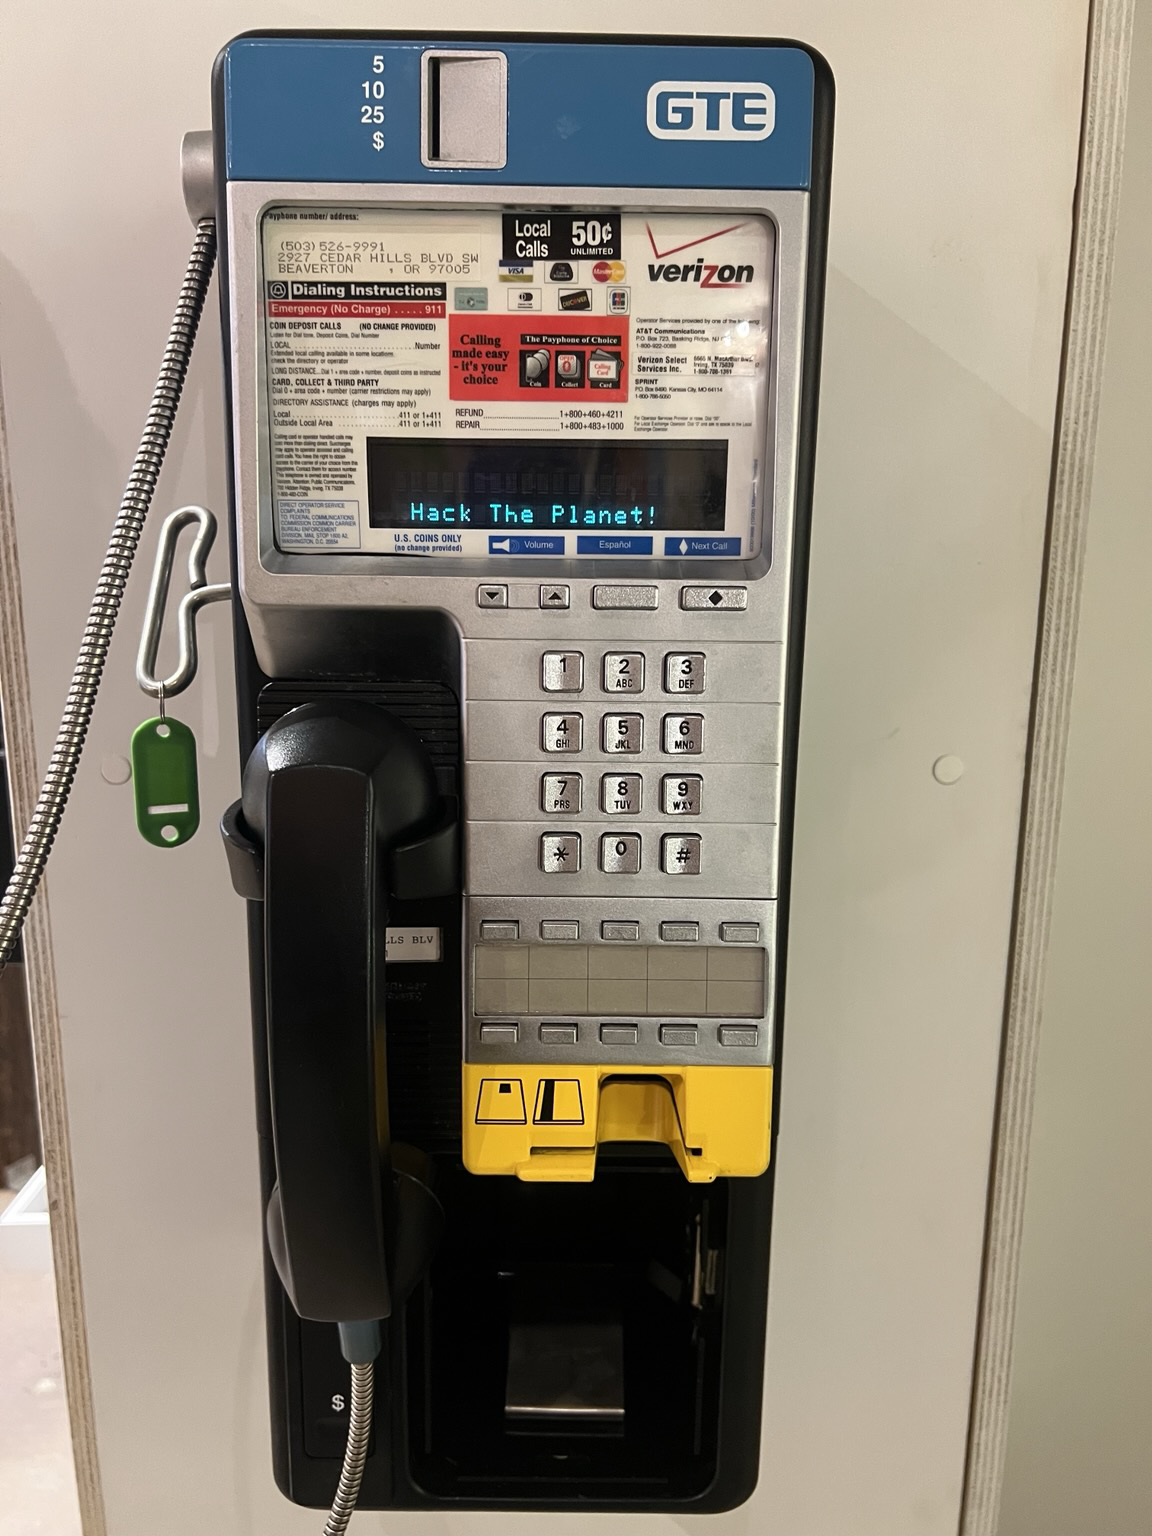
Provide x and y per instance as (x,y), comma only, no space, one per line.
(684,672)
(681,794)
(560,853)
(561,794)
(562,672)
(621,794)
(622,733)
(680,855)
(622,672)
(562,733)
(620,853)
(683,735)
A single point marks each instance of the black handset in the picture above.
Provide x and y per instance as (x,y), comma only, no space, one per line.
(331,792)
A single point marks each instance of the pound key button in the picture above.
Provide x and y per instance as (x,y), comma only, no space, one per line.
(680,855)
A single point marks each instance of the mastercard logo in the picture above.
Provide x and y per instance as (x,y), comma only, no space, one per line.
(609,271)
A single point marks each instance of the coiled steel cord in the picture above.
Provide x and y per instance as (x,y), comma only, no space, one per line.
(109,593)
(355,1451)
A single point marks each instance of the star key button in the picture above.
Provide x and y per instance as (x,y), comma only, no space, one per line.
(560,853)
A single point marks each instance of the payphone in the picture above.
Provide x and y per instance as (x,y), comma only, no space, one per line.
(521,346)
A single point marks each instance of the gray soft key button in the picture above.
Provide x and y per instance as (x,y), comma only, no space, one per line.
(625,597)
(714,599)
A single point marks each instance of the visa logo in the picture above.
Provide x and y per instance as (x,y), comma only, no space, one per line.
(711,109)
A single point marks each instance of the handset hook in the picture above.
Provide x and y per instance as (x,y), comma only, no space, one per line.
(199,593)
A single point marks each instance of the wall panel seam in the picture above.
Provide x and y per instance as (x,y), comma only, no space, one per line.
(1094,231)
(40,976)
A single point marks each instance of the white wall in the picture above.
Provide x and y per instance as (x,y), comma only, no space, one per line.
(1079,1456)
(955,164)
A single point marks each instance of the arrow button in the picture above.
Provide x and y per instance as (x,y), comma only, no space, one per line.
(554,596)
(492,595)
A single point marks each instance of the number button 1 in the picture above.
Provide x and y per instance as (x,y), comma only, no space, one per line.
(623,672)
(561,794)
(562,671)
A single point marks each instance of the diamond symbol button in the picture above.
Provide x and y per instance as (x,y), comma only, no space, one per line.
(714,598)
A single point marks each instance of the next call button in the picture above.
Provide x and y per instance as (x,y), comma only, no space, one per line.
(681,545)
(526,544)
(613,544)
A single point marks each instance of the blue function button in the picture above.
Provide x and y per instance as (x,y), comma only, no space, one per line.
(614,544)
(526,544)
(682,545)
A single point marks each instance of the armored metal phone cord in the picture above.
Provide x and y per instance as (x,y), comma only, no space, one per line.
(355,1450)
(81,700)
(126,531)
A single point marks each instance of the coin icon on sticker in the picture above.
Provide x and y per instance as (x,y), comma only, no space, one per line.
(534,367)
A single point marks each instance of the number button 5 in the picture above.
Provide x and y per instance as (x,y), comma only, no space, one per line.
(622,733)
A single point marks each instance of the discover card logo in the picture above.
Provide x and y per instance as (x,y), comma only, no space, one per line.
(711,109)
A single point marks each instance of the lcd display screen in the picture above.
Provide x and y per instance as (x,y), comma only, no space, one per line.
(550,486)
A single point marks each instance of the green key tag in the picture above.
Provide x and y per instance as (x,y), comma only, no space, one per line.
(164,782)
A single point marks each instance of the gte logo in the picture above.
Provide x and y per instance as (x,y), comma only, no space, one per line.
(711,109)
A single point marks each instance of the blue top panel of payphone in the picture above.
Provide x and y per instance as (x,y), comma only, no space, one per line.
(579,114)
